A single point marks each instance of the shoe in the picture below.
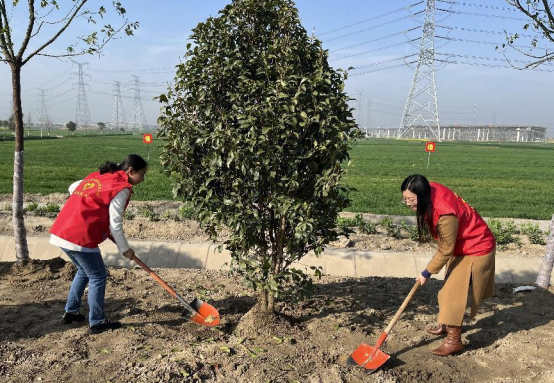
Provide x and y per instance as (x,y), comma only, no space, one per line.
(107,325)
(68,318)
(452,344)
(439,330)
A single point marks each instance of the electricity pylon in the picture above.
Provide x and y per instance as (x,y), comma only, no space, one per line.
(138,119)
(118,115)
(421,106)
(82,114)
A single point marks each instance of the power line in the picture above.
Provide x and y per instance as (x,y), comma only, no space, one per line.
(387,61)
(382,69)
(375,50)
(479,5)
(479,30)
(370,19)
(374,40)
(489,65)
(482,14)
(486,58)
(370,28)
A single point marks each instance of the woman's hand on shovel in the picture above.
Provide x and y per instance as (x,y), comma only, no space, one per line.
(129,254)
(421,279)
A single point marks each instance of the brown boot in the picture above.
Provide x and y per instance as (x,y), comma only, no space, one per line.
(438,330)
(452,343)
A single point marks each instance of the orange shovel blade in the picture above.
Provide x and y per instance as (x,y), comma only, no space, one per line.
(362,356)
(206,315)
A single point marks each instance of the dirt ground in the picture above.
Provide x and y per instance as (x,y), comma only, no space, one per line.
(509,341)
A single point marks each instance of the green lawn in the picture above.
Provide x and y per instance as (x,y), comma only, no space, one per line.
(499,180)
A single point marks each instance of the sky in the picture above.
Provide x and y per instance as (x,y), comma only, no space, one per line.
(474,83)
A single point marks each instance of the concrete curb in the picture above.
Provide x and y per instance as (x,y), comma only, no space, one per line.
(336,262)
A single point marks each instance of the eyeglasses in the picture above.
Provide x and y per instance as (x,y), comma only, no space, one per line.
(410,201)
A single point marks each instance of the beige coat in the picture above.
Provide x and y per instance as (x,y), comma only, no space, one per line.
(461,273)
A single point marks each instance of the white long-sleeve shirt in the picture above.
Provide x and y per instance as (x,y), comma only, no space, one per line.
(116,210)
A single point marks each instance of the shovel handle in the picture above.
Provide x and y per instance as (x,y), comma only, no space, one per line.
(155,276)
(168,288)
(402,308)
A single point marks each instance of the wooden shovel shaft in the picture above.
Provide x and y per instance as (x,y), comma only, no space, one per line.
(168,288)
(385,333)
(402,308)
(155,276)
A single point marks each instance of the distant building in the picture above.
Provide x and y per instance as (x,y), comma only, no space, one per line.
(510,133)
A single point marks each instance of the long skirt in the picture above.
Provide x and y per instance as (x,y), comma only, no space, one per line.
(461,273)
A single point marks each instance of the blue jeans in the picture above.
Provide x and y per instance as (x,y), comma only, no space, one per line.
(91,270)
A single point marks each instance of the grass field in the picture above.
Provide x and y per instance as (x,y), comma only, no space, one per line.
(499,179)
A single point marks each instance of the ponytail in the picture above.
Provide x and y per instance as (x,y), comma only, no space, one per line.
(132,161)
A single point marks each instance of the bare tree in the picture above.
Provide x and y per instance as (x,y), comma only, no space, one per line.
(45,16)
(545,271)
(541,22)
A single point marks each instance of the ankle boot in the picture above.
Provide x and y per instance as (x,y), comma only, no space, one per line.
(438,330)
(452,343)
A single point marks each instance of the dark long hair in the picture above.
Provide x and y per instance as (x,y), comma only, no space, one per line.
(131,161)
(419,185)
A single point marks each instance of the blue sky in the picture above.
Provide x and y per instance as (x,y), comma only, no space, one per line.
(360,29)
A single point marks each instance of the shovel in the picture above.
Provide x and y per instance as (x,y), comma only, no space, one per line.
(197,311)
(371,358)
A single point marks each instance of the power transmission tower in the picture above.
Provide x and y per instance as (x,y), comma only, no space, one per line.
(82,114)
(421,106)
(360,108)
(43,112)
(138,119)
(118,114)
(369,120)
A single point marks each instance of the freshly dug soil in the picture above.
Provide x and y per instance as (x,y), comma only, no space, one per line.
(509,341)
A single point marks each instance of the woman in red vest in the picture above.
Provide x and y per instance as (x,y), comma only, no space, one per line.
(94,212)
(466,246)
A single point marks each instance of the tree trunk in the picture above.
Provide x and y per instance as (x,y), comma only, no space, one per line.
(545,271)
(263,301)
(20,234)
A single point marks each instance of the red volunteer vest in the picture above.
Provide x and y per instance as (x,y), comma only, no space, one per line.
(474,236)
(84,220)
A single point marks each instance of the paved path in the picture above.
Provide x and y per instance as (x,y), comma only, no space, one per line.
(337,262)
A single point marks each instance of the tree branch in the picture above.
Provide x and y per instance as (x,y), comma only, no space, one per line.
(548,11)
(73,15)
(29,31)
(5,36)
(546,32)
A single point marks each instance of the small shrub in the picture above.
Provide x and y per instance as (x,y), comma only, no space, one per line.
(52,208)
(504,233)
(186,211)
(129,214)
(386,222)
(368,227)
(532,231)
(346,222)
(393,230)
(32,206)
(168,216)
(359,220)
(411,230)
(148,212)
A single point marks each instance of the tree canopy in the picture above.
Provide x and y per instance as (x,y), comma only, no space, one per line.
(258,130)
